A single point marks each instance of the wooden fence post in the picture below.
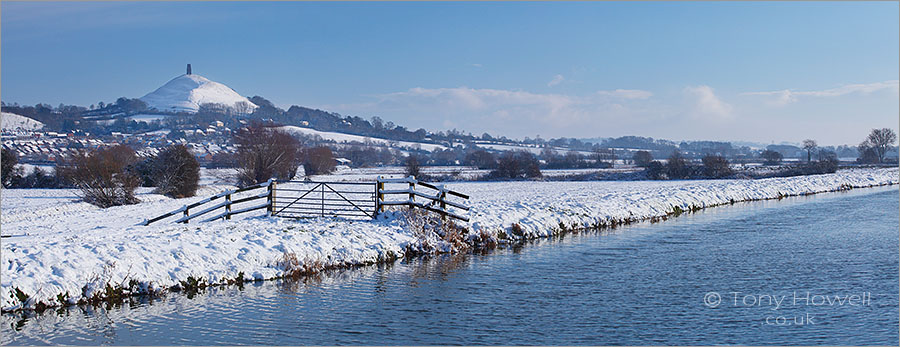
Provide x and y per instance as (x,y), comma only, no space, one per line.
(443,197)
(412,188)
(185,214)
(227,206)
(379,186)
(271,197)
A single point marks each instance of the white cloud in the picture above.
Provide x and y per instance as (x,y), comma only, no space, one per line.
(514,112)
(627,94)
(787,96)
(475,65)
(705,103)
(556,80)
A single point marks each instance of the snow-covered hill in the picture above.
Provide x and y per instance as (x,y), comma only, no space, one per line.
(12,121)
(187,92)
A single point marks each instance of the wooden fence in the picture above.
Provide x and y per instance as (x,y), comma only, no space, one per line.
(254,192)
(434,198)
(307,199)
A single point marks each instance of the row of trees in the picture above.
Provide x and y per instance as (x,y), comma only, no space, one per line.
(677,167)
(871,151)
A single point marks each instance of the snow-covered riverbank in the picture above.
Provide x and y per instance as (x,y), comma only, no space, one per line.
(63,251)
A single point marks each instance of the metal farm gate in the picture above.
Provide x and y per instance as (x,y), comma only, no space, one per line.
(303,199)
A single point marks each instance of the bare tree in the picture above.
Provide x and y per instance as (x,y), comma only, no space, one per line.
(413,168)
(809,145)
(880,140)
(265,153)
(102,176)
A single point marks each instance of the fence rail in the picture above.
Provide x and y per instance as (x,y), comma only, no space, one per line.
(437,201)
(226,204)
(305,199)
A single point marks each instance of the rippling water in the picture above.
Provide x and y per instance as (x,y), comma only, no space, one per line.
(642,284)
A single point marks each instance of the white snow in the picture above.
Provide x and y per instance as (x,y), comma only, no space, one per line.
(12,121)
(58,245)
(147,118)
(342,137)
(188,92)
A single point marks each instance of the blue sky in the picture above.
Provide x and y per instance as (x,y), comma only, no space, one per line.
(760,71)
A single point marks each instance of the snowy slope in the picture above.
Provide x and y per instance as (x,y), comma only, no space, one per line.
(188,92)
(341,137)
(12,121)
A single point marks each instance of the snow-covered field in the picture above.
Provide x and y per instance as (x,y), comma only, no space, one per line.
(342,137)
(59,249)
(347,174)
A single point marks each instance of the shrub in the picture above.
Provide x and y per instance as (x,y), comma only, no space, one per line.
(222,160)
(655,170)
(771,157)
(716,166)
(642,158)
(828,164)
(8,171)
(867,155)
(144,170)
(318,161)
(412,166)
(677,167)
(39,178)
(517,164)
(175,172)
(481,159)
(265,153)
(103,176)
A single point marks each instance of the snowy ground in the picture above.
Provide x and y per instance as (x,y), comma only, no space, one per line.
(59,249)
(347,174)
